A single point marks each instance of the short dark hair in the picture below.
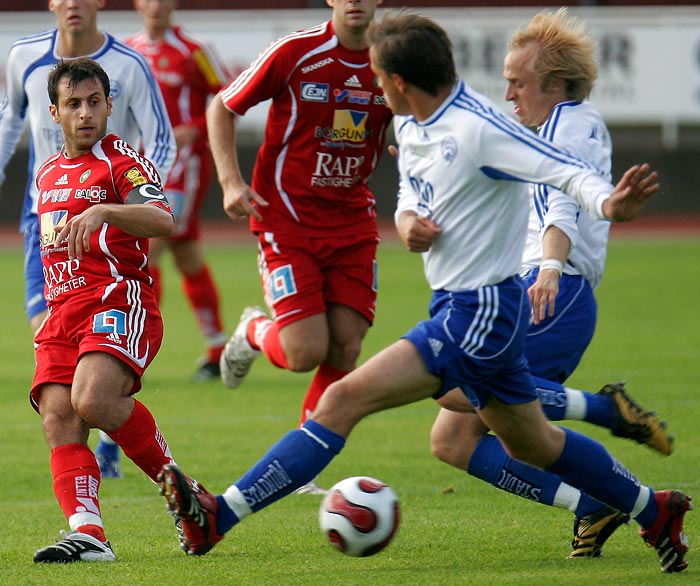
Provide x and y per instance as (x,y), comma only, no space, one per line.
(76,70)
(416,48)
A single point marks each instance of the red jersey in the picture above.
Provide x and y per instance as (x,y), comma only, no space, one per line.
(188,72)
(66,188)
(325,132)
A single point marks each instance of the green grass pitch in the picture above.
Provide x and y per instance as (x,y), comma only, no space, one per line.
(454,529)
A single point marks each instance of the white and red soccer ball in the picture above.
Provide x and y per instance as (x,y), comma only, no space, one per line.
(360,516)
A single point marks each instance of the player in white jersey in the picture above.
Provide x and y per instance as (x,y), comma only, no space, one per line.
(140,118)
(464,206)
(550,71)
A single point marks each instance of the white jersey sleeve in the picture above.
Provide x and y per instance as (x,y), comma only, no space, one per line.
(14,105)
(578,127)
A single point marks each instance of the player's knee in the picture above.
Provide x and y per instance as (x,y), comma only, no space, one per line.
(445,449)
(343,406)
(88,406)
(442,450)
(302,359)
(344,355)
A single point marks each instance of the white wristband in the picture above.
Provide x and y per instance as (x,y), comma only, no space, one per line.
(552,263)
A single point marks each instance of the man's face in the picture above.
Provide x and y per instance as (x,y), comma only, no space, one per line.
(82,112)
(155,13)
(75,16)
(531,104)
(387,83)
(353,14)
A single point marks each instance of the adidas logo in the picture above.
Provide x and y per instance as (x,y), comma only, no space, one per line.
(63,180)
(112,337)
(435,346)
(353,81)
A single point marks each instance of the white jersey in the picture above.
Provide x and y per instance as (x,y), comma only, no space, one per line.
(467,168)
(139,115)
(578,127)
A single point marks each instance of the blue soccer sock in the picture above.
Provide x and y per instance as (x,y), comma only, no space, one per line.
(560,403)
(292,462)
(491,463)
(556,403)
(599,410)
(587,465)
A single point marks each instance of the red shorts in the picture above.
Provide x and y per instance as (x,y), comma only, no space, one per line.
(186,189)
(300,276)
(127,325)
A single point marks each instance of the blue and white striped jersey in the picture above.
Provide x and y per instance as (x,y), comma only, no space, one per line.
(578,127)
(467,168)
(139,115)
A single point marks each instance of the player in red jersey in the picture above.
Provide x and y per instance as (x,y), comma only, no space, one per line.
(308,202)
(189,73)
(99,203)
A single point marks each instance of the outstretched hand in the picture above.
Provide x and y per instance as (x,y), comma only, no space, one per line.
(631,193)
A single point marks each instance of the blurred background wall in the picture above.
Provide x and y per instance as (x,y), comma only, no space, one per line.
(648,88)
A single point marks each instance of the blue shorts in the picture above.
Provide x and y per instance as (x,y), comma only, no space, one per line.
(555,346)
(475,340)
(34,302)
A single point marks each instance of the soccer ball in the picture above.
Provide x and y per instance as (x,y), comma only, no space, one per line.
(360,516)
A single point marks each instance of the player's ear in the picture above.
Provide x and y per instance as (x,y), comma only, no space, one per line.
(399,82)
(54,113)
(109,105)
(556,85)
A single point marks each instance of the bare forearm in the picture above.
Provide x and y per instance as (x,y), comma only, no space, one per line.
(142,220)
(555,245)
(221,128)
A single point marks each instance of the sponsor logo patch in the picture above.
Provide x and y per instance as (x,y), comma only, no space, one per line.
(317,65)
(348,126)
(352,96)
(51,224)
(94,194)
(314,92)
(135,176)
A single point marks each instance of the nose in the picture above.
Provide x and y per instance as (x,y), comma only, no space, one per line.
(85,111)
(510,92)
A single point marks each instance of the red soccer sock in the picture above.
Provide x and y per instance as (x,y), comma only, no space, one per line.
(325,375)
(142,442)
(203,296)
(264,334)
(76,484)
(157,282)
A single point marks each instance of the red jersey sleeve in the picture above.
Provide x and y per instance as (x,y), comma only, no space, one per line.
(131,170)
(268,75)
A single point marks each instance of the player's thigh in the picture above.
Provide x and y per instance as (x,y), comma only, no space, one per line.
(306,340)
(156,248)
(105,374)
(188,256)
(394,377)
(347,329)
(524,431)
